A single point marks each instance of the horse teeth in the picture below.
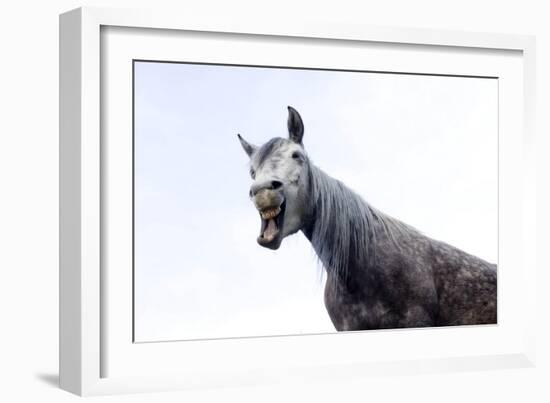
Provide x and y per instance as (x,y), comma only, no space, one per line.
(268,214)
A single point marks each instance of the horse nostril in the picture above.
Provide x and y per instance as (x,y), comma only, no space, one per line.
(269,185)
(276,185)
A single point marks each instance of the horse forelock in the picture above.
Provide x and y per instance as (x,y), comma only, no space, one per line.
(267,149)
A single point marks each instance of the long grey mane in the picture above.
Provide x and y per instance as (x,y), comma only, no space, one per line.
(345,226)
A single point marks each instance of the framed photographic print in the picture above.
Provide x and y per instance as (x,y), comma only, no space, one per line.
(238,196)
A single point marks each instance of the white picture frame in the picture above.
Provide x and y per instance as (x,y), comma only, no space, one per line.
(96,354)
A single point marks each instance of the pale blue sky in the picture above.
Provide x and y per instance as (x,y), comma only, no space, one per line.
(421,148)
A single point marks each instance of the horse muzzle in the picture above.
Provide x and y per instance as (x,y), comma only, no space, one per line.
(271,206)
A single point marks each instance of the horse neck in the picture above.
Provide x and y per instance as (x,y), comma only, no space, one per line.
(339,224)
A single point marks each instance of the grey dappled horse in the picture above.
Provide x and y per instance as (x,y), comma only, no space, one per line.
(381,273)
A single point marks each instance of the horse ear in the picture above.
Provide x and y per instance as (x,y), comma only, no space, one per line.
(295,126)
(248,148)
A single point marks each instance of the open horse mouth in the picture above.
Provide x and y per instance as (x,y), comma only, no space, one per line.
(272,224)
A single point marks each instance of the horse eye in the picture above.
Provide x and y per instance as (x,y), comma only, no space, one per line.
(296,155)
(252,173)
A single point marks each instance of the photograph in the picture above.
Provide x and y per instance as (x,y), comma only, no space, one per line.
(276,200)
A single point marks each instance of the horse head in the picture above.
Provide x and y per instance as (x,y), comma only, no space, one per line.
(279,191)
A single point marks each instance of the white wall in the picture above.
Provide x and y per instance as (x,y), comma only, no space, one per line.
(28,202)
